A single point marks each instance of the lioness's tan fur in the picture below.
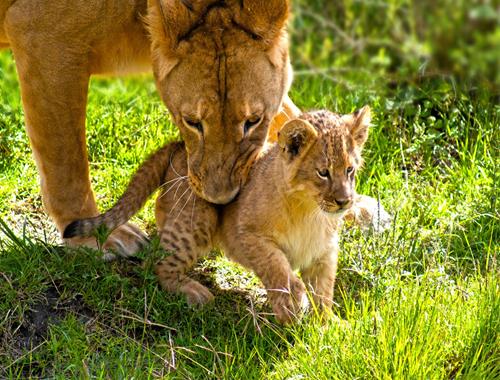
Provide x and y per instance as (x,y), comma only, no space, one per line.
(221,63)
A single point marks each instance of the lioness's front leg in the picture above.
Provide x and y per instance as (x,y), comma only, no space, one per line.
(54,77)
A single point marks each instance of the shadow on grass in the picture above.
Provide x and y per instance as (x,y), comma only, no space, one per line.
(48,287)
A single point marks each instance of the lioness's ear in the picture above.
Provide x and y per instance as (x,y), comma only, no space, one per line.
(169,21)
(360,124)
(296,137)
(173,19)
(266,20)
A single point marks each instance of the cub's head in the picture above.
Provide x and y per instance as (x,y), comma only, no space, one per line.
(321,152)
(222,69)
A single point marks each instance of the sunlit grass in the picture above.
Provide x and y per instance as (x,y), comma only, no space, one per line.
(419,301)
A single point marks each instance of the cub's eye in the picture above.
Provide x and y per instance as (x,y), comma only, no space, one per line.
(323,173)
(349,170)
(251,123)
(194,124)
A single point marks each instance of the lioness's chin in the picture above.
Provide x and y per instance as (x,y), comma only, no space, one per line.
(221,198)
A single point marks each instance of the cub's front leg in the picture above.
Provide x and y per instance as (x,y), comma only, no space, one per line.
(285,291)
(319,277)
(186,226)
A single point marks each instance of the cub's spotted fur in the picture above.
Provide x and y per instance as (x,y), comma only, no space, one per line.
(287,216)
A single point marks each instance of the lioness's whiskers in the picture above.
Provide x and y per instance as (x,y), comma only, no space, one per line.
(178,200)
(178,182)
(192,212)
(173,180)
(172,166)
(176,190)
(185,203)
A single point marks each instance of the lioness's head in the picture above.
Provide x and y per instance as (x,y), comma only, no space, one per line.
(222,69)
(321,152)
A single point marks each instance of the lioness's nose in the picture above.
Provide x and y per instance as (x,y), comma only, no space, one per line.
(342,201)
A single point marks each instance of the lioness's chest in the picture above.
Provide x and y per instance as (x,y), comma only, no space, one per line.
(306,239)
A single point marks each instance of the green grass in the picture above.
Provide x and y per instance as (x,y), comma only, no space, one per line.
(418,301)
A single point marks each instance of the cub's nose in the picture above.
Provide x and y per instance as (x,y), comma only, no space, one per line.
(341,202)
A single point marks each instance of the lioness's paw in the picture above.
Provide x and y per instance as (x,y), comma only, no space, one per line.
(368,213)
(289,304)
(124,241)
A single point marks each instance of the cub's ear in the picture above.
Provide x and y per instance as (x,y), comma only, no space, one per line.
(296,137)
(359,124)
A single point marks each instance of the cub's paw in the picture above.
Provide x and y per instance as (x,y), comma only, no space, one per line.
(124,241)
(175,282)
(289,303)
(196,294)
(368,213)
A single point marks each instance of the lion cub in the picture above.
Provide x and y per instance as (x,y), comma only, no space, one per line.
(286,217)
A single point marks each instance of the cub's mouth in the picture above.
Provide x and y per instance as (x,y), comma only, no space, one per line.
(335,209)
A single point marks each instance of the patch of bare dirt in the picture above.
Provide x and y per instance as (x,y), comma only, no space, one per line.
(19,337)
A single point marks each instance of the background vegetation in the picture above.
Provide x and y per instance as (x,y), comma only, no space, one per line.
(418,301)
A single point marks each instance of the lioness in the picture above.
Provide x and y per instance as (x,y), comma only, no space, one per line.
(221,67)
(287,216)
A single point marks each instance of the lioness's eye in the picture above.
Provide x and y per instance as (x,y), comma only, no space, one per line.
(250,123)
(195,124)
(349,170)
(323,173)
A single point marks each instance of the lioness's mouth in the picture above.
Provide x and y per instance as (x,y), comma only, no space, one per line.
(219,196)
(222,199)
(214,191)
